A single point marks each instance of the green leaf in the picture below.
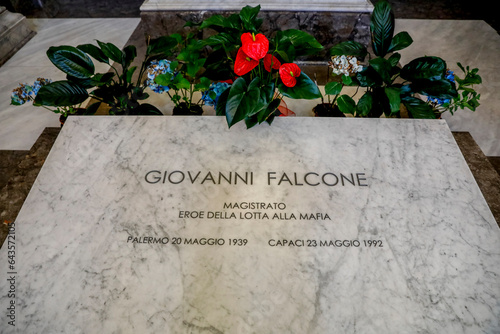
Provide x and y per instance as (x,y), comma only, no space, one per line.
(418,108)
(394,59)
(383,67)
(71,61)
(244,100)
(271,108)
(441,89)
(365,104)
(203,85)
(94,52)
(146,109)
(393,94)
(61,93)
(129,54)
(346,80)
(349,48)
(333,88)
(180,82)
(400,41)
(101,79)
(220,109)
(130,73)
(368,77)
(303,43)
(430,68)
(164,79)
(92,109)
(248,16)
(382,28)
(215,21)
(305,88)
(111,51)
(163,44)
(346,104)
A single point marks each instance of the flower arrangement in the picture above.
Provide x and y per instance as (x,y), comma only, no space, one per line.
(425,86)
(262,69)
(116,88)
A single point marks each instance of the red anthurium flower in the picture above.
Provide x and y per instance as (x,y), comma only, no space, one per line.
(255,46)
(289,73)
(243,63)
(270,60)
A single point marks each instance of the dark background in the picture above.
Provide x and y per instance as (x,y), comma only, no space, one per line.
(408,9)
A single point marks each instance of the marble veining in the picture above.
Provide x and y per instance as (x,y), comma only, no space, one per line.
(79,270)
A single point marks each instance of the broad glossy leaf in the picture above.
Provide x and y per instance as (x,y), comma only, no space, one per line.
(346,104)
(430,68)
(61,93)
(418,108)
(111,51)
(382,28)
(129,54)
(94,52)
(303,42)
(365,104)
(349,48)
(92,109)
(383,67)
(393,94)
(234,113)
(248,16)
(333,88)
(400,41)
(146,109)
(305,88)
(71,61)
(441,89)
(368,77)
(163,44)
(130,73)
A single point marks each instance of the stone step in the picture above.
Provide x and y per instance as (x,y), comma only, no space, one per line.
(14,33)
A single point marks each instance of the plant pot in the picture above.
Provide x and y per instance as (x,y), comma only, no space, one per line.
(327,110)
(183,110)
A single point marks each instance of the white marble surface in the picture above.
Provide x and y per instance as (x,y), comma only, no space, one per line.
(20,126)
(288,5)
(437,272)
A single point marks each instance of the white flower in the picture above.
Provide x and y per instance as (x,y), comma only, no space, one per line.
(345,65)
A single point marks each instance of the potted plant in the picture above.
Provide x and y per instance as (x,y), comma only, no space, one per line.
(30,93)
(343,67)
(262,69)
(182,77)
(423,87)
(117,88)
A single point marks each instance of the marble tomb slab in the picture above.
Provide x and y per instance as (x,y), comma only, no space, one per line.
(181,225)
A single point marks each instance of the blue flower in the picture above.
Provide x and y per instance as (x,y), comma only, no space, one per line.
(211,96)
(22,94)
(450,76)
(39,83)
(156,68)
